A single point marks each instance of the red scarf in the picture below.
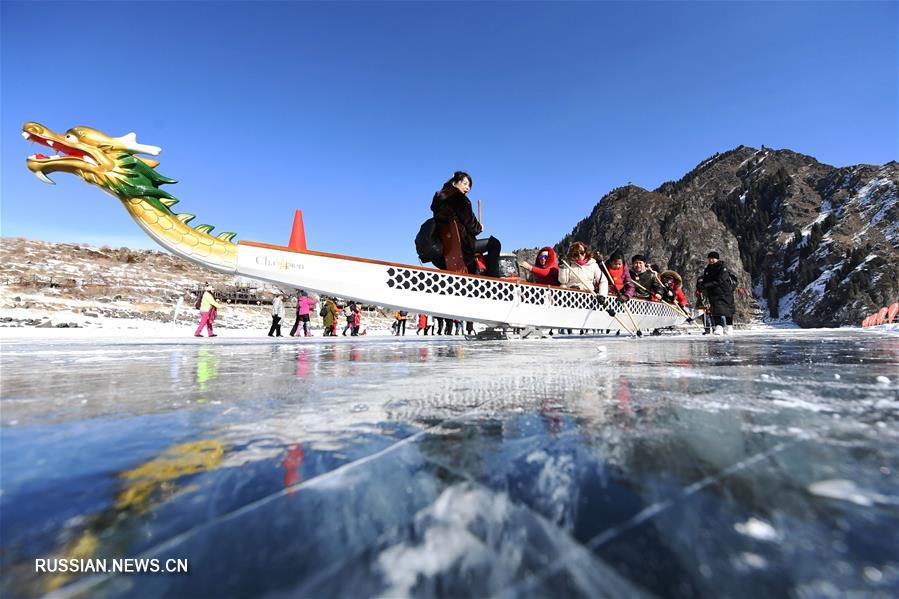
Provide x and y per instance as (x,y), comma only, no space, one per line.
(617,277)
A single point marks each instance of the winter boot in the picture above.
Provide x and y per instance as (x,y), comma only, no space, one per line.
(719,330)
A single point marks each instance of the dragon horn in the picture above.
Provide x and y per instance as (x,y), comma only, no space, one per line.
(129,142)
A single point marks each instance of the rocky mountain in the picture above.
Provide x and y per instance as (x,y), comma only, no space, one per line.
(811,243)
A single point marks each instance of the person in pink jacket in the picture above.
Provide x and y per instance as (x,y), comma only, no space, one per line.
(357,320)
(304,308)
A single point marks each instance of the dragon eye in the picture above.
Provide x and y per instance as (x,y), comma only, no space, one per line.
(70,137)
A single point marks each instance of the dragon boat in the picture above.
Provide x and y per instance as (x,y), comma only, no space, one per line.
(114,165)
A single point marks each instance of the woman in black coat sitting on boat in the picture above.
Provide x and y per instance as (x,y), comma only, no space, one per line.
(458,228)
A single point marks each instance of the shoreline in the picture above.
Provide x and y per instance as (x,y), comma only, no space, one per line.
(181,333)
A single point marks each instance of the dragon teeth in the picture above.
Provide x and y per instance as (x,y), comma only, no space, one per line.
(25,134)
(40,175)
(49,143)
(89,160)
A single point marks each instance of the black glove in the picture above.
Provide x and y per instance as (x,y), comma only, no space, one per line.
(611,312)
(689,319)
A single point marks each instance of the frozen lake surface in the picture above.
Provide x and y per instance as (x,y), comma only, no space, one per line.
(758,466)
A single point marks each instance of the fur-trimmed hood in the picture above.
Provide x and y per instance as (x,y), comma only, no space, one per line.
(678,281)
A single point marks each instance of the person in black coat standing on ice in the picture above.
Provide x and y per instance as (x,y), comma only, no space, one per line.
(718,289)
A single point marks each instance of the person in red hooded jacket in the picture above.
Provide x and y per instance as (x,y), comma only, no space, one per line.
(545,267)
(674,282)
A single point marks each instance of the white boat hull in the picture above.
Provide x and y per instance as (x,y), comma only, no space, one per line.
(487,300)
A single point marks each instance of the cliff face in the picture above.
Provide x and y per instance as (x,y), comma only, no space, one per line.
(811,243)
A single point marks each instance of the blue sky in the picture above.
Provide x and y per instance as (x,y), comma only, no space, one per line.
(357,112)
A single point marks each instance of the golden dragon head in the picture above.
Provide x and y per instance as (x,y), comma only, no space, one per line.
(110,163)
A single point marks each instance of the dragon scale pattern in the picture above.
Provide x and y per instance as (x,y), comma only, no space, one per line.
(182,238)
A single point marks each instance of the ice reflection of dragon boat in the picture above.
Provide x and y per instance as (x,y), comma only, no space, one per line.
(113,164)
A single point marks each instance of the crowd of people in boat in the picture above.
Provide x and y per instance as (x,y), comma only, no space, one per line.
(642,283)
(450,241)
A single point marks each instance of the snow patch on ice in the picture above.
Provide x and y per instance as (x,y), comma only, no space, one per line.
(555,486)
(447,540)
(841,489)
(752,561)
(788,399)
(536,457)
(757,529)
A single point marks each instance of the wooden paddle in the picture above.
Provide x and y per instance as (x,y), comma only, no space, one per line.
(585,284)
(624,303)
(673,305)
